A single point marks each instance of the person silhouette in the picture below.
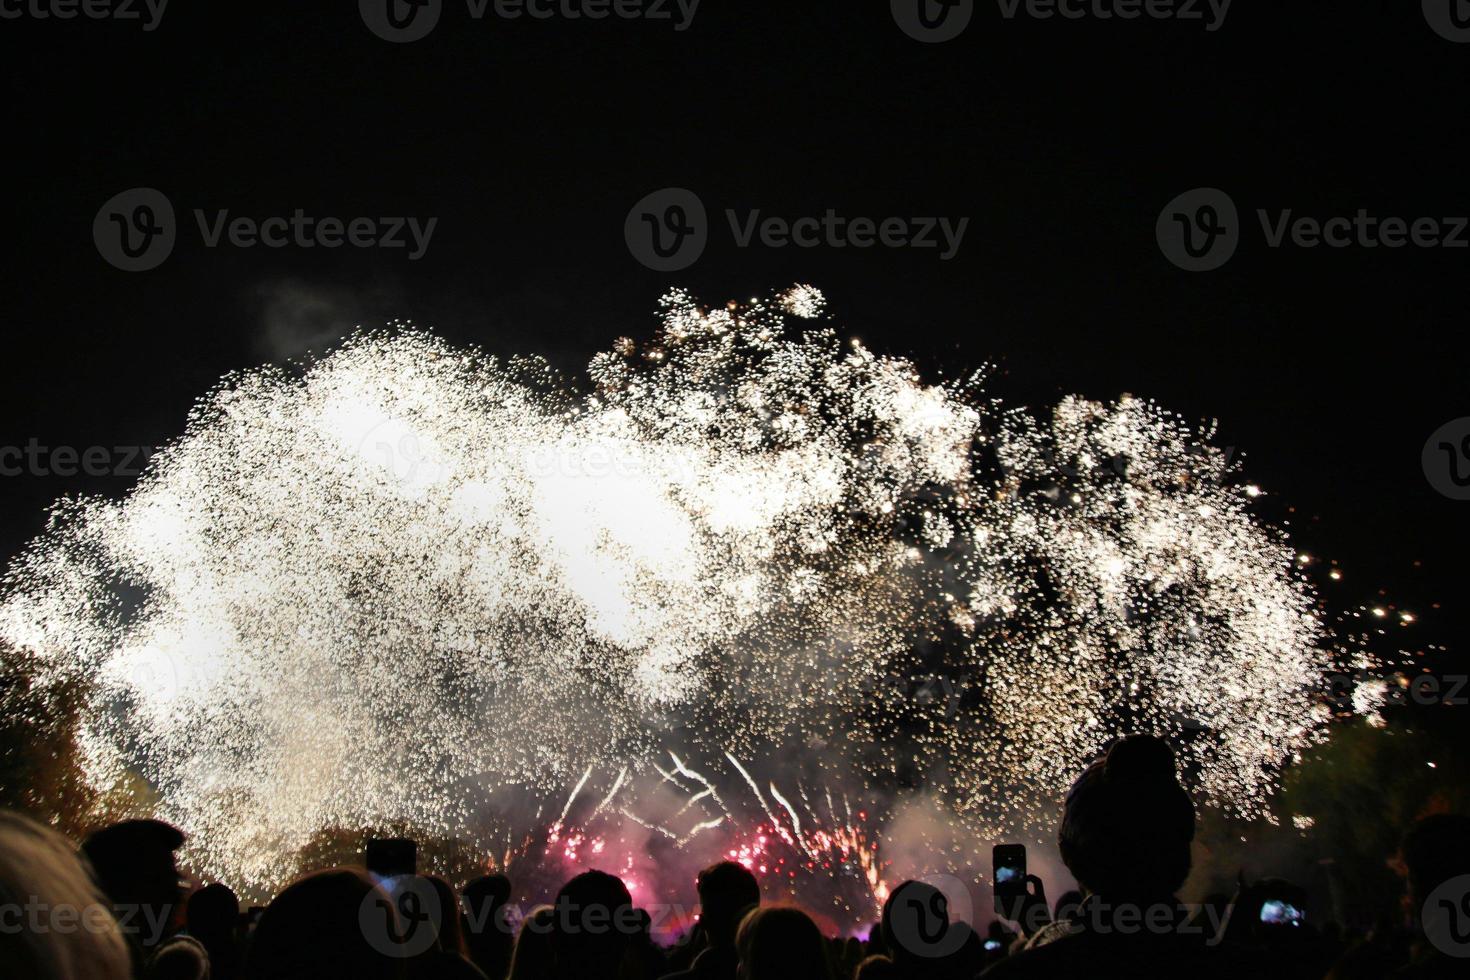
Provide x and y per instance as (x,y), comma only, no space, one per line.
(1125,835)
(134,864)
(915,927)
(1435,855)
(212,916)
(532,958)
(40,866)
(727,891)
(781,943)
(316,928)
(594,924)
(448,958)
(487,934)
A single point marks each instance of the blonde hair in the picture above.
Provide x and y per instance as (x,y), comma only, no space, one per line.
(54,922)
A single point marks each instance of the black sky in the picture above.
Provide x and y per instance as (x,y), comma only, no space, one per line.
(1061,141)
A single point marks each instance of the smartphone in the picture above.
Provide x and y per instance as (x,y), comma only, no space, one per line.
(1008,864)
(1279,913)
(391,857)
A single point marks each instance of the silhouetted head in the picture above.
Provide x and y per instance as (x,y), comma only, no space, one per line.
(487,933)
(1128,823)
(915,922)
(876,968)
(534,958)
(781,944)
(39,865)
(212,912)
(726,892)
(134,865)
(180,958)
(486,894)
(315,928)
(1434,850)
(595,923)
(444,916)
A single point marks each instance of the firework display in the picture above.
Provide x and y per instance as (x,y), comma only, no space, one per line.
(750,591)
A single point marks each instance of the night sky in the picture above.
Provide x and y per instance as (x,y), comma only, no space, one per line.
(529,140)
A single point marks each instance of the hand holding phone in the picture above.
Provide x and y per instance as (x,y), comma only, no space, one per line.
(1008,872)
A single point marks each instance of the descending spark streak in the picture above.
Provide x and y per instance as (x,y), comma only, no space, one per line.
(775,823)
(700,828)
(576,791)
(795,821)
(630,815)
(709,787)
(693,801)
(612,793)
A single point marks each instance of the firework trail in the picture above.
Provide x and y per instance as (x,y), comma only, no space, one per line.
(406,579)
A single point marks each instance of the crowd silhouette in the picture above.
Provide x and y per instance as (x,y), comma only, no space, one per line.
(116,907)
